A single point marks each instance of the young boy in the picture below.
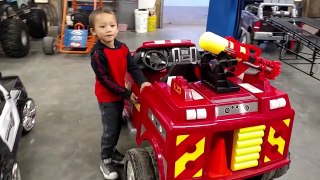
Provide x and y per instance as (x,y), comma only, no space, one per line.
(110,59)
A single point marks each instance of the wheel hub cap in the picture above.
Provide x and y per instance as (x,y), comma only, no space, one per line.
(24,38)
(16,172)
(244,40)
(29,115)
(130,172)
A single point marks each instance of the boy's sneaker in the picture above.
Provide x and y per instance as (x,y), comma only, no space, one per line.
(108,170)
(117,157)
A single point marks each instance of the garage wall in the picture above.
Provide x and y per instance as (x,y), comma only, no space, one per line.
(311,8)
(186,2)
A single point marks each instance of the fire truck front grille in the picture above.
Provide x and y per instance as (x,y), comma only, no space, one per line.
(246,147)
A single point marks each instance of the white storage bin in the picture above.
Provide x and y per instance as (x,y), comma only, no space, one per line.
(141,20)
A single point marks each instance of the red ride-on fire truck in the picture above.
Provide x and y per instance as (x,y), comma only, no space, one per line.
(201,120)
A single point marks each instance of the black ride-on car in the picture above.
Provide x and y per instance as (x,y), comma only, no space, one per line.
(17,118)
(18,19)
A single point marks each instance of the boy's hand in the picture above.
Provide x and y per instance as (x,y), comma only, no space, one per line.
(134,98)
(145,84)
(128,85)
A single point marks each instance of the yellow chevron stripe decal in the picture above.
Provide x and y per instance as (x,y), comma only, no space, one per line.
(287,122)
(266,159)
(198,174)
(276,141)
(137,105)
(181,138)
(180,164)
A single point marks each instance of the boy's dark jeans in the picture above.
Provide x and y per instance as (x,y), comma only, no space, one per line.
(111,114)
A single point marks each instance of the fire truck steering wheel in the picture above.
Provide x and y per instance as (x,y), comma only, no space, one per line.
(155,60)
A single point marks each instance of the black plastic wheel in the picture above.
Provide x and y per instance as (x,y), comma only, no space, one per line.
(59,29)
(273,174)
(138,165)
(245,38)
(256,43)
(283,170)
(79,17)
(9,168)
(48,45)
(8,10)
(37,23)
(14,38)
(28,115)
(296,47)
(154,161)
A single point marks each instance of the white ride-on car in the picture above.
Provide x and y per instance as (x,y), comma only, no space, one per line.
(17,118)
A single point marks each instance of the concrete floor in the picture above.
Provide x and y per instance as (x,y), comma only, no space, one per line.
(65,142)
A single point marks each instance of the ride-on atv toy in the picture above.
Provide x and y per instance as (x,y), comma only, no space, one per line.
(74,36)
(201,120)
(18,19)
(18,116)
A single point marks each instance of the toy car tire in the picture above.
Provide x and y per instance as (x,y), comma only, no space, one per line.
(59,29)
(281,171)
(9,170)
(256,43)
(138,165)
(10,12)
(28,115)
(273,174)
(154,161)
(297,47)
(48,45)
(79,17)
(245,38)
(37,23)
(14,38)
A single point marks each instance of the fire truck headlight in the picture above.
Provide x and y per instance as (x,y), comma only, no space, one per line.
(201,113)
(277,103)
(193,114)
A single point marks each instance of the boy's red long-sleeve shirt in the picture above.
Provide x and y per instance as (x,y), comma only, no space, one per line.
(110,66)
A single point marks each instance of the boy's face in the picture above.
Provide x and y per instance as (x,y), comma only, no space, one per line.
(105,28)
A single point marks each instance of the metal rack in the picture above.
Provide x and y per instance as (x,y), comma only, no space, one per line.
(310,41)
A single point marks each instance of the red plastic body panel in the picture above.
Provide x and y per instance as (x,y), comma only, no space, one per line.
(201,148)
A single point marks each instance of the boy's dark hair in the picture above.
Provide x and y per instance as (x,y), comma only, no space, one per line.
(98,11)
